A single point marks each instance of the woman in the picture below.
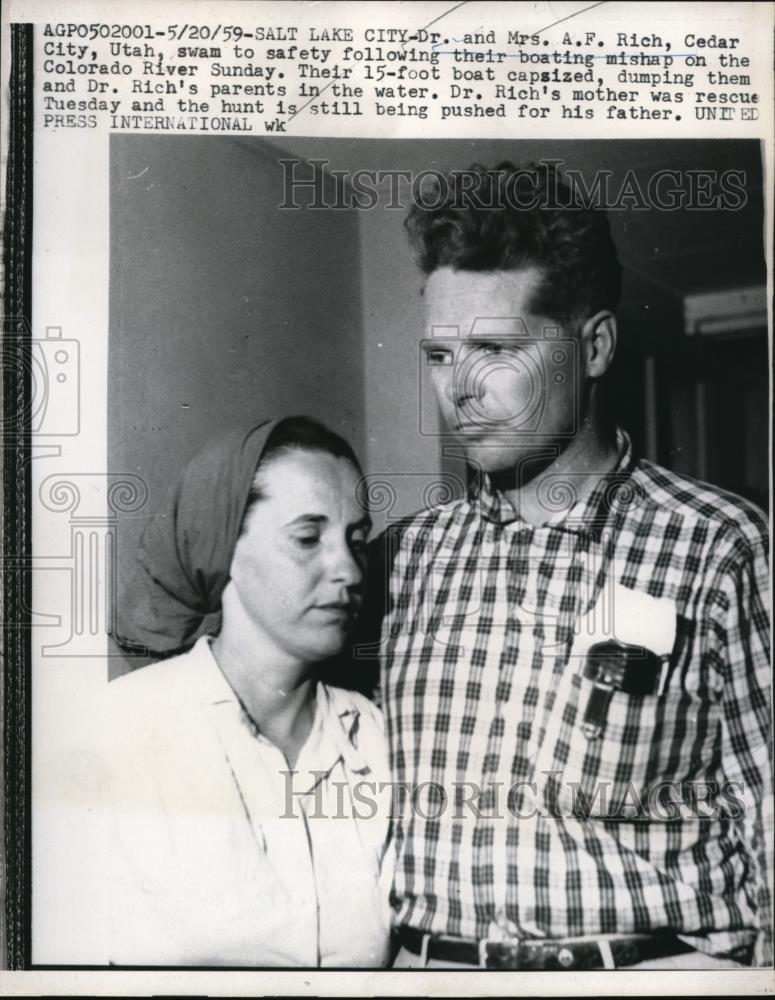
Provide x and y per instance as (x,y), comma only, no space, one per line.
(238,782)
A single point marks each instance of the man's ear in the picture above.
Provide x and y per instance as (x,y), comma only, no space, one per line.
(598,343)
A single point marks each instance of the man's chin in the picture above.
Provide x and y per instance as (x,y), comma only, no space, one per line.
(492,456)
(512,463)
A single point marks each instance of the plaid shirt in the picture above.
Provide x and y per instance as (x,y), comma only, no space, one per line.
(517,815)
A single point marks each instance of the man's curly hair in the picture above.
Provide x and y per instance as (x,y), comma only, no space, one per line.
(509,218)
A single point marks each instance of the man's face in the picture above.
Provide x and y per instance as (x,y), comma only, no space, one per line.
(509,383)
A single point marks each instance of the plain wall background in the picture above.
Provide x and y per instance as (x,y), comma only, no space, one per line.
(223,311)
(403,448)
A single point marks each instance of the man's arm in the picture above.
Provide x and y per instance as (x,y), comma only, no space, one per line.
(741,631)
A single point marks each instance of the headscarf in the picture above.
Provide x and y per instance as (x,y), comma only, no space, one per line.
(185,553)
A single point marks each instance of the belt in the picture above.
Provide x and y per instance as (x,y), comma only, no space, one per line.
(543,953)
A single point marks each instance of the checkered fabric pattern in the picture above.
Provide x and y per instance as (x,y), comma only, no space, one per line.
(665,820)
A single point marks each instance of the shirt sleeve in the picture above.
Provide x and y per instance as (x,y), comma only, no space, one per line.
(742,644)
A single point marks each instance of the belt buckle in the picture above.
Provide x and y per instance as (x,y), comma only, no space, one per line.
(505,953)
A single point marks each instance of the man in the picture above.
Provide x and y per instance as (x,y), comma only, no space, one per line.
(575,654)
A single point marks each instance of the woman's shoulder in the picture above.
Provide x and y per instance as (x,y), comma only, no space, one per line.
(177,676)
(158,724)
(165,696)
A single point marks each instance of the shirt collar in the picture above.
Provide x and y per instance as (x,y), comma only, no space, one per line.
(337,719)
(570,513)
(340,707)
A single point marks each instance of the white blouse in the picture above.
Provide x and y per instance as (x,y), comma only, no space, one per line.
(218,854)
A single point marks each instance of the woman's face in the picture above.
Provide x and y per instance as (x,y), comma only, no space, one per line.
(298,566)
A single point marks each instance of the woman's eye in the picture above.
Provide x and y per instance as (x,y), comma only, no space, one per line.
(491,348)
(307,541)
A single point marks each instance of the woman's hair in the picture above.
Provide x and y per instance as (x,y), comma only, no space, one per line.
(297,434)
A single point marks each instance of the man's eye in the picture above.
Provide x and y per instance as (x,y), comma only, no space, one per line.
(438,356)
(491,348)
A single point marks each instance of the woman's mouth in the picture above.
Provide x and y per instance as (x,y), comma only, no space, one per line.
(337,610)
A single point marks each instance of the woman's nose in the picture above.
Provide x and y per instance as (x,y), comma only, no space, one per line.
(345,567)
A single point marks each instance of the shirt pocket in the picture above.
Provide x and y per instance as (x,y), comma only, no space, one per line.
(610,775)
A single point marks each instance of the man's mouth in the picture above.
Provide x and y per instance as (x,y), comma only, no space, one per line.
(469,428)
(463,425)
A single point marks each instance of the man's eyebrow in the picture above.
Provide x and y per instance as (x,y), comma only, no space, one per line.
(499,335)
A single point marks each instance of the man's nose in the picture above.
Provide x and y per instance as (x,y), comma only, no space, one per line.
(466,382)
